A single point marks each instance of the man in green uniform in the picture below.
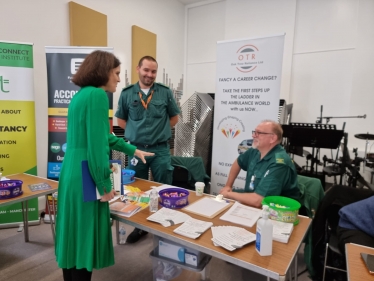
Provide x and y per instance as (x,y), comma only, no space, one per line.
(147,111)
(270,171)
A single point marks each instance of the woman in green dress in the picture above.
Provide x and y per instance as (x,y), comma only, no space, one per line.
(83,229)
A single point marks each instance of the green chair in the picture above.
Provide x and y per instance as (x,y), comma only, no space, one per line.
(312,193)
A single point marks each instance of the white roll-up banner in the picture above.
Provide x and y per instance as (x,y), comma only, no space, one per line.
(248,81)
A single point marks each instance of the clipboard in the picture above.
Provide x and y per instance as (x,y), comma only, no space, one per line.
(213,206)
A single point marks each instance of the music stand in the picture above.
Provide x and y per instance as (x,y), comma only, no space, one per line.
(313,135)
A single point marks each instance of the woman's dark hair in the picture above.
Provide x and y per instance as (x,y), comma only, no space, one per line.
(95,69)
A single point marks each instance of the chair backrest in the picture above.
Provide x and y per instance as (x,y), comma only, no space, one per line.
(312,193)
(181,177)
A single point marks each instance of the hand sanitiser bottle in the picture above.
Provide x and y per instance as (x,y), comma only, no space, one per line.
(264,234)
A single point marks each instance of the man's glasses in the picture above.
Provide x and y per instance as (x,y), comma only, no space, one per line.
(256,133)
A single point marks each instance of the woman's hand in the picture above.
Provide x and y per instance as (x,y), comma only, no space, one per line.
(141,154)
(108,196)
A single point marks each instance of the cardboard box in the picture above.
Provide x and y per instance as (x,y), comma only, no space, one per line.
(193,257)
(171,250)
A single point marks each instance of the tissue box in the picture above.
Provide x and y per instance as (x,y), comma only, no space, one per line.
(193,257)
(171,250)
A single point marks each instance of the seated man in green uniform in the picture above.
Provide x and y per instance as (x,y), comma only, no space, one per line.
(270,171)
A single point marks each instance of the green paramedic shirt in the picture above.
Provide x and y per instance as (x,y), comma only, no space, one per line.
(149,126)
(275,174)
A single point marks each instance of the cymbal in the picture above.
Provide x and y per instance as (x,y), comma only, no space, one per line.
(365,136)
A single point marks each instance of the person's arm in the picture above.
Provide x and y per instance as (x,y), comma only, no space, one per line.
(173,121)
(97,127)
(120,145)
(121,123)
(251,199)
(172,109)
(234,172)
(122,111)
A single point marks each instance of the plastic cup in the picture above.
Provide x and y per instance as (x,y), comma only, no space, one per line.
(199,188)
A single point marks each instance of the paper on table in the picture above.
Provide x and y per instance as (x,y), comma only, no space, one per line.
(168,217)
(242,214)
(281,231)
(231,237)
(193,228)
(124,209)
(207,206)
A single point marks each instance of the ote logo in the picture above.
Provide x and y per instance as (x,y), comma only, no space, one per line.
(75,64)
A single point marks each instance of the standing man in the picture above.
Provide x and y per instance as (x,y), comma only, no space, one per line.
(147,111)
(270,171)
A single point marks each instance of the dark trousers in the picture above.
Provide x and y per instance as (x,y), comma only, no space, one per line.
(73,274)
(160,165)
(353,236)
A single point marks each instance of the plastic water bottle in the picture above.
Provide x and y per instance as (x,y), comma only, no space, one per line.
(122,235)
(264,233)
(153,200)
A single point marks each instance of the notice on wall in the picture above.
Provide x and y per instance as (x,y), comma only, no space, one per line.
(247,91)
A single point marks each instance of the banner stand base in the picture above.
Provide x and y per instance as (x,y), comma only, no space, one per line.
(18,224)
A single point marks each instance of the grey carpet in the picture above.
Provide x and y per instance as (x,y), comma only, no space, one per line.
(35,261)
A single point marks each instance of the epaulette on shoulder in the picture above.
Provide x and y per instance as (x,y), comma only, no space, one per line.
(128,87)
(163,85)
(279,158)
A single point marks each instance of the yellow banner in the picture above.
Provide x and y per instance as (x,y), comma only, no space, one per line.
(18,138)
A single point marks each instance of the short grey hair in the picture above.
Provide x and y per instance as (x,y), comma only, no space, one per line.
(276,129)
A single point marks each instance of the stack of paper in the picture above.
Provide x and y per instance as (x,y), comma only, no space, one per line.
(242,214)
(231,237)
(168,217)
(193,228)
(129,204)
(126,209)
(281,231)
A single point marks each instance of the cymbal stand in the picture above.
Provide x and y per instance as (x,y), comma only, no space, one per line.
(366,147)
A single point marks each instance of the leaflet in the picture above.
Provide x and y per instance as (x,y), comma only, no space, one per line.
(242,214)
(168,217)
(193,228)
(231,237)
(281,231)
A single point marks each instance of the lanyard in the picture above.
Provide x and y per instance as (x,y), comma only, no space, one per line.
(145,105)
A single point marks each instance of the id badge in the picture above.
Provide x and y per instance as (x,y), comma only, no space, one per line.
(134,161)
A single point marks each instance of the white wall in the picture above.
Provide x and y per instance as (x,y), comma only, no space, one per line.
(328,58)
(46,23)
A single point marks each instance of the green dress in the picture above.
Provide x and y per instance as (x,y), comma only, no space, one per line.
(83,230)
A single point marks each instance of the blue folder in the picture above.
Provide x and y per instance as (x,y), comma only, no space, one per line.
(88,184)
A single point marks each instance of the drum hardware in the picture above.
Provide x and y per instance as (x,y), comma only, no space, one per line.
(366,137)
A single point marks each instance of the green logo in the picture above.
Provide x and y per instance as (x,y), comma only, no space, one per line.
(55,147)
(2,82)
